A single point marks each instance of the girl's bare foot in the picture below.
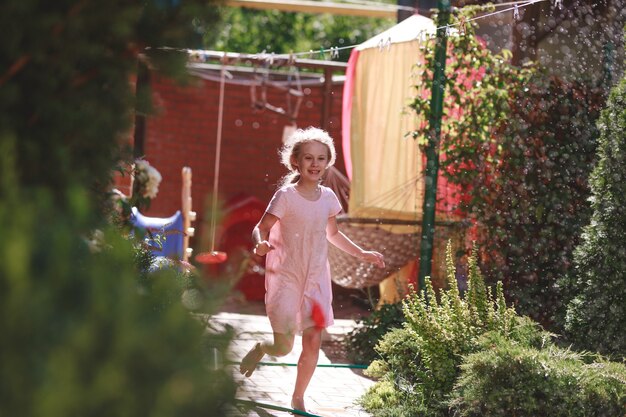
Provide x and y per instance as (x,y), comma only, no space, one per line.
(297,403)
(250,361)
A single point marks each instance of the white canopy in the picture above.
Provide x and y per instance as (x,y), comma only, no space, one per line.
(410,29)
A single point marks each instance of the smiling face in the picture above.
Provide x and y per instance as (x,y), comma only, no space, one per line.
(311,160)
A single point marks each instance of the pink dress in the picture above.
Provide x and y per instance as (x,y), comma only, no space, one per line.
(297,273)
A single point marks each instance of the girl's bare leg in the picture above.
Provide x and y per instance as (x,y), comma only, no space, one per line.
(311,343)
(283,343)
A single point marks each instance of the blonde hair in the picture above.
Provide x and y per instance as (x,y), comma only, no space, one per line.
(293,147)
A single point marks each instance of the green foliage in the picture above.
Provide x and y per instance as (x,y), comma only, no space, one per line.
(361,341)
(508,379)
(401,373)
(596,316)
(66,72)
(389,401)
(530,193)
(88,333)
(476,96)
(520,146)
(273,31)
(83,336)
(422,359)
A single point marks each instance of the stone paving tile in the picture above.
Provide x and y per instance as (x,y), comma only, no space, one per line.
(332,392)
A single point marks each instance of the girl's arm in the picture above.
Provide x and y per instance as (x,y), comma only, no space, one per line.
(343,242)
(261,234)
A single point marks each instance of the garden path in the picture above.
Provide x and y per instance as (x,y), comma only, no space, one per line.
(332,392)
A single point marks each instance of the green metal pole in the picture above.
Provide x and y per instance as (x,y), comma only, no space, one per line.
(432,150)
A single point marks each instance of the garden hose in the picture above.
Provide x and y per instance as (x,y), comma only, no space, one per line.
(286,409)
(276,408)
(319,365)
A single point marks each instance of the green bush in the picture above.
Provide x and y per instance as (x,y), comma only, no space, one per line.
(520,149)
(508,379)
(401,359)
(66,81)
(596,316)
(531,194)
(422,359)
(90,333)
(360,343)
(82,336)
(387,399)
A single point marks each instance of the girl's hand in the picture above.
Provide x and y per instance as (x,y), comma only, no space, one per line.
(262,248)
(374,257)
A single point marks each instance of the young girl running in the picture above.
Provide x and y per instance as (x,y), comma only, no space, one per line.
(293,233)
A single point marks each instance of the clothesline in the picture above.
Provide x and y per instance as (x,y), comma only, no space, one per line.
(516,6)
(417,9)
(334,50)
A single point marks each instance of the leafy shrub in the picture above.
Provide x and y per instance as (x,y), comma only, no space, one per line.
(81,336)
(361,341)
(596,316)
(86,334)
(422,359)
(66,86)
(508,379)
(520,148)
(389,401)
(530,196)
(401,359)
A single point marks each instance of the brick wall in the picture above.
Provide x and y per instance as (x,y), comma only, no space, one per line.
(184,133)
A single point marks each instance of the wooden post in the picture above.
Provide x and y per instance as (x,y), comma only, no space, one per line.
(188,214)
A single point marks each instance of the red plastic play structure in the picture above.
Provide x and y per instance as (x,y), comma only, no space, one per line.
(241,214)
